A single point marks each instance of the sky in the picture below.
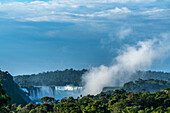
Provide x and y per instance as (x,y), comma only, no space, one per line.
(46,35)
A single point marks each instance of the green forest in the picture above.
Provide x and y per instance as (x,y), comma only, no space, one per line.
(12,89)
(139,96)
(118,101)
(57,78)
(150,85)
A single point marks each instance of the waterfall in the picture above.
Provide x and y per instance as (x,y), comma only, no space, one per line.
(57,92)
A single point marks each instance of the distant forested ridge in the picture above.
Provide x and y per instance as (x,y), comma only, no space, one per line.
(73,77)
(57,78)
(150,85)
(145,75)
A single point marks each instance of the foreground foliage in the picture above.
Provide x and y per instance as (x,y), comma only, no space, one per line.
(4,100)
(118,101)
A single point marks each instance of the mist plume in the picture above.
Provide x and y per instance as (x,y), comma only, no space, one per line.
(129,60)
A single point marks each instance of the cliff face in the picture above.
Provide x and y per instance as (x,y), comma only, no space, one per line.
(12,89)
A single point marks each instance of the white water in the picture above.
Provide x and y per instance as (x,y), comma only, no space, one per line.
(57,92)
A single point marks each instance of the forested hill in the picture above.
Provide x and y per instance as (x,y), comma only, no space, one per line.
(73,77)
(12,89)
(58,78)
(145,75)
(150,85)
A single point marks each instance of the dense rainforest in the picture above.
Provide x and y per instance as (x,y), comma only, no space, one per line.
(134,97)
(118,101)
(73,77)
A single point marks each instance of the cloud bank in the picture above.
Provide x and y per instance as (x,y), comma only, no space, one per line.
(80,10)
(133,58)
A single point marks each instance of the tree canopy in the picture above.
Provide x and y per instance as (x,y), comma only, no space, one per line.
(118,101)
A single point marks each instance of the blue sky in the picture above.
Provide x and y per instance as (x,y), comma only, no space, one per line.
(46,35)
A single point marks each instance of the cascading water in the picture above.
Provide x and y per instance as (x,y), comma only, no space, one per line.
(57,92)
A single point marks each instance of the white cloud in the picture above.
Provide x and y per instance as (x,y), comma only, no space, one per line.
(124,32)
(156,13)
(154,10)
(112,12)
(126,1)
(72,10)
(52,34)
(53,11)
